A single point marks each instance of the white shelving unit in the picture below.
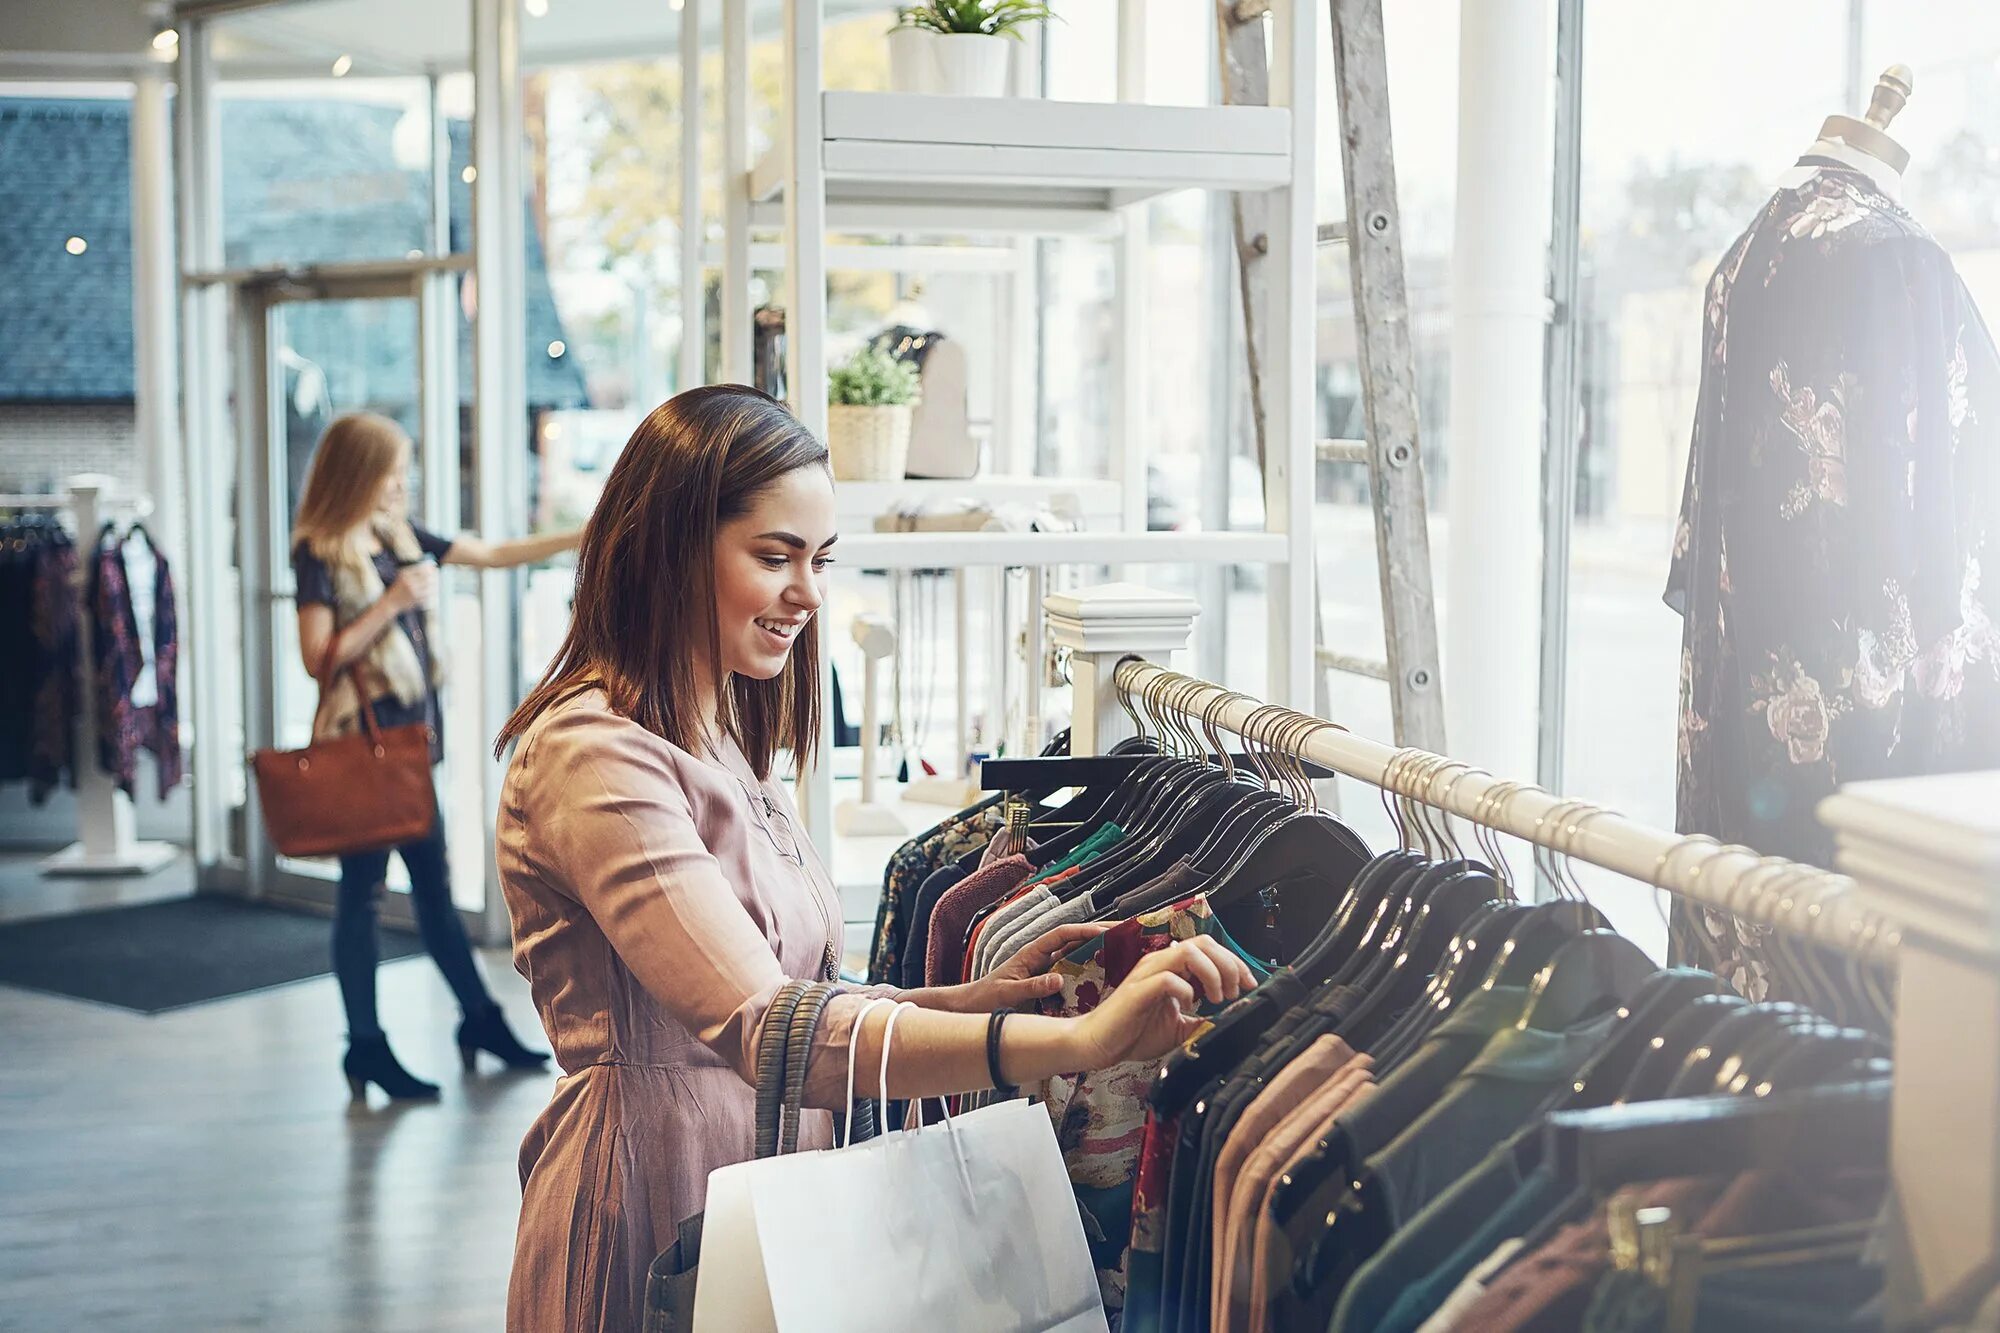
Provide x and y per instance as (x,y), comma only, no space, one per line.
(910,165)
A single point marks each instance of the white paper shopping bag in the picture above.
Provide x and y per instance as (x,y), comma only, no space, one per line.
(968,1225)
(731,1292)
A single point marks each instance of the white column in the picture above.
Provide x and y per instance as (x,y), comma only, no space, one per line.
(694,306)
(500,358)
(205,448)
(1128,300)
(805,329)
(1927,854)
(736,334)
(1289,444)
(156,361)
(1101,627)
(1499,266)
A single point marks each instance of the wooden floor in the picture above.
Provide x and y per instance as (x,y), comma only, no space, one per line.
(204,1170)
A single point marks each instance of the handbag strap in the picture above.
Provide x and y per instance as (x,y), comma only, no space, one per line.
(798,1056)
(353,680)
(772,1043)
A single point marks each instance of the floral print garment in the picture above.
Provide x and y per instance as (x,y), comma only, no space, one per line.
(1100,1116)
(1830,560)
(911,864)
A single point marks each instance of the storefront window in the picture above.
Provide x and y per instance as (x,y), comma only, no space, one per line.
(1670,178)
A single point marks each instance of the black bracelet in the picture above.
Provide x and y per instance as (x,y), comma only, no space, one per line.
(993,1026)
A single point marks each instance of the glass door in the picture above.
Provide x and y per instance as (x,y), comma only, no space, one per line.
(309,352)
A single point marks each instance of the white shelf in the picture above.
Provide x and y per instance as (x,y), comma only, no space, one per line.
(857,501)
(961,550)
(991,163)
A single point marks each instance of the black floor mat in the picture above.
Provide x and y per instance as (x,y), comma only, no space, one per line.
(161,956)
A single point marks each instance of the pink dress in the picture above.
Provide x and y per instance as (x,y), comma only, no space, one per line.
(659,899)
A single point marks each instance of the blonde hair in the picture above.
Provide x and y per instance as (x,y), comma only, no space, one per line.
(358,452)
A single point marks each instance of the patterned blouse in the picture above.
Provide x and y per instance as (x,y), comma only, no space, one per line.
(1100,1116)
(1828,563)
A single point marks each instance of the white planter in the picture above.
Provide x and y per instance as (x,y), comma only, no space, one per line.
(868,443)
(913,62)
(971,64)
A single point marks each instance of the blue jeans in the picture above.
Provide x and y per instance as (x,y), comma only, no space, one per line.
(362,877)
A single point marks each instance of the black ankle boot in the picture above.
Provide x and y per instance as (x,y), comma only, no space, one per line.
(369,1060)
(487,1031)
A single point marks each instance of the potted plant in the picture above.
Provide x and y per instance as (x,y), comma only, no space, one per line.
(968,42)
(868,416)
(912,62)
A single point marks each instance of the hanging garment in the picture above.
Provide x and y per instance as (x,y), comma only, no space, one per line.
(1830,564)
(126,724)
(39,689)
(966,832)
(1100,1115)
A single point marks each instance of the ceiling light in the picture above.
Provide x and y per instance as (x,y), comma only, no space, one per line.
(537,9)
(552,431)
(76,245)
(676,5)
(342,65)
(557,348)
(469,175)
(166,39)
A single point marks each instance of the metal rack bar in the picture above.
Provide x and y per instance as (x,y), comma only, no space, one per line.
(1801,899)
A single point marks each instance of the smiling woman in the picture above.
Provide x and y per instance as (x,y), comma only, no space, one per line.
(658,892)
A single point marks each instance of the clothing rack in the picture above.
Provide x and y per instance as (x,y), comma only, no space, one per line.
(107,841)
(1770,891)
(1921,888)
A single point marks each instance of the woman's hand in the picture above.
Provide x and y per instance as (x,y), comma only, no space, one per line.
(1152,1010)
(1025,978)
(414,587)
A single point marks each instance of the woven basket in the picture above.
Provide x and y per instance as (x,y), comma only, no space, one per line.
(868,443)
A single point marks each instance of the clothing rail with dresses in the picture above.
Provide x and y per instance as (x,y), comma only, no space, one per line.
(1918,888)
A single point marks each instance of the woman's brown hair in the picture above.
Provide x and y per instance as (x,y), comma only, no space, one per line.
(337,505)
(645,579)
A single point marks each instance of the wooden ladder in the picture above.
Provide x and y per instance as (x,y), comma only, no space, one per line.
(1372,233)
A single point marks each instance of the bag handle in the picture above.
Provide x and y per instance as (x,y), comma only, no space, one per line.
(798,1056)
(354,681)
(771,1043)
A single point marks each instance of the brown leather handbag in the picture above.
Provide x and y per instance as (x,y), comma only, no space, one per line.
(360,792)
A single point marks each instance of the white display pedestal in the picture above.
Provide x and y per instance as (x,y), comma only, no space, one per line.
(1101,627)
(107,842)
(1926,854)
(868,817)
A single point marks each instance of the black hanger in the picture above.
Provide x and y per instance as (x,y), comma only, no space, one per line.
(1547,927)
(1744,1068)
(1670,1048)
(1825,1128)
(1393,906)
(1365,903)
(1456,979)
(1830,1059)
(1596,971)
(1308,841)
(1660,1000)
(1698,1071)
(1445,909)
(1185,811)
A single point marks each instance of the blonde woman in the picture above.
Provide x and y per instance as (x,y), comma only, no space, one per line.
(367,586)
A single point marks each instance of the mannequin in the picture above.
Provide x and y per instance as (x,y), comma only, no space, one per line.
(1865,144)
